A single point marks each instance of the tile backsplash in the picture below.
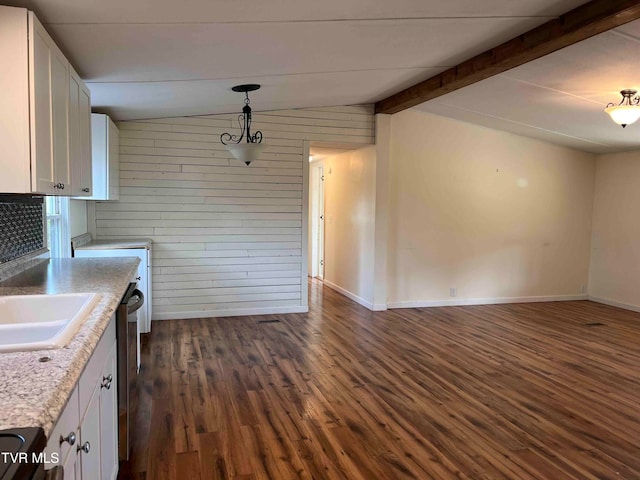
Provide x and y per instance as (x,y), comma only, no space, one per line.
(21,226)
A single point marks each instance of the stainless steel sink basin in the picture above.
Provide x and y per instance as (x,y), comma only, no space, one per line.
(38,322)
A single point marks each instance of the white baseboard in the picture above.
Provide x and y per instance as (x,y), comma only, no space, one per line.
(615,303)
(379,307)
(348,294)
(240,312)
(486,301)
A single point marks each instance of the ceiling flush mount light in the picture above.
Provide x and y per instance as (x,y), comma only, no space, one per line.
(250,149)
(627,111)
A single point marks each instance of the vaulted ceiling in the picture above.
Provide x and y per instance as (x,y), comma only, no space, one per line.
(159,58)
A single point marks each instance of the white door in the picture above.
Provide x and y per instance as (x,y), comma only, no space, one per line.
(320,240)
(316,221)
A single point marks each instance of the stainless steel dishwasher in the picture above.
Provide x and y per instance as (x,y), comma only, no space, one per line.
(127,336)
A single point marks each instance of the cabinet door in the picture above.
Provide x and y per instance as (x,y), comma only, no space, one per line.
(60,116)
(63,440)
(15,160)
(79,136)
(109,418)
(49,113)
(114,161)
(71,467)
(85,140)
(105,152)
(90,445)
(42,176)
(74,134)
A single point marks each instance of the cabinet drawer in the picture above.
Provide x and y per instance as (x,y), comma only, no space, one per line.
(93,371)
(67,425)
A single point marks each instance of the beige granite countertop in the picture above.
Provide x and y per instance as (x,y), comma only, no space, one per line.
(33,394)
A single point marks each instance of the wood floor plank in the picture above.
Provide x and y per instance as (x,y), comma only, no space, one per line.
(162,456)
(542,391)
(188,465)
(211,460)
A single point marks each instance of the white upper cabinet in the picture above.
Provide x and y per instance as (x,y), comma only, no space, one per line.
(105,140)
(80,136)
(41,137)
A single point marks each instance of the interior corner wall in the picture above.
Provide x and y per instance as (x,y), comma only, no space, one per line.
(350,200)
(495,216)
(615,250)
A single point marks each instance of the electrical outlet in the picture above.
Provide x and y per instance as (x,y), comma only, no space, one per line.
(453,292)
(583,289)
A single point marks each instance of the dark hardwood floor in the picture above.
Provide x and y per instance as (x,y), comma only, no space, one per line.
(525,391)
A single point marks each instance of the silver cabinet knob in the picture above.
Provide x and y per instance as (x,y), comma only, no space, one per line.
(70,439)
(86,447)
(59,185)
(106,382)
(138,278)
(85,189)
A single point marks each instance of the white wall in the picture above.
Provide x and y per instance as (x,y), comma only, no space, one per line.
(78,217)
(350,201)
(615,246)
(491,214)
(227,237)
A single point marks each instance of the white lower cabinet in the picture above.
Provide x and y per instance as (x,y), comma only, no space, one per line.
(86,435)
(89,445)
(109,418)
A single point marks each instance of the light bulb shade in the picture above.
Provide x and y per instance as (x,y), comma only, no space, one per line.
(246,152)
(624,114)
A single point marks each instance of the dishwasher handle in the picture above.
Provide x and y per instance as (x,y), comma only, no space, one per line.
(137,304)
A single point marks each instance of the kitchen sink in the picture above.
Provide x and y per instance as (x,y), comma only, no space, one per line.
(38,322)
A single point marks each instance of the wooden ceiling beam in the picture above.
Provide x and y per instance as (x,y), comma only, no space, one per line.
(590,19)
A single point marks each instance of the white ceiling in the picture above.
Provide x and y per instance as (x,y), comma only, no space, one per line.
(559,98)
(157,58)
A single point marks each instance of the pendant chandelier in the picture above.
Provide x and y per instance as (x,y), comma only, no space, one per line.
(627,111)
(250,149)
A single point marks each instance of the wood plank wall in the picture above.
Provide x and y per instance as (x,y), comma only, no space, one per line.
(227,238)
